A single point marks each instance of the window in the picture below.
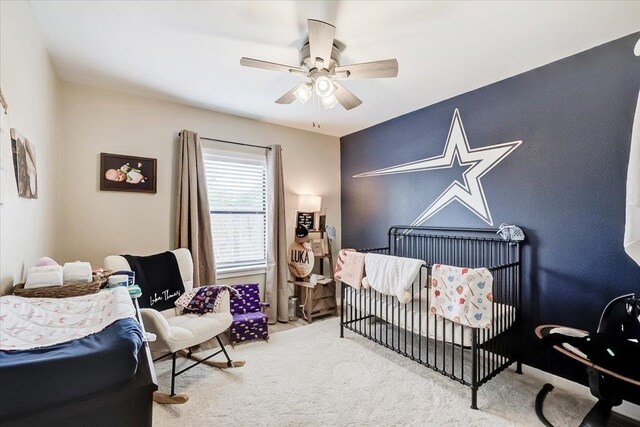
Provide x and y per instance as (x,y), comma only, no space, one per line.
(237,185)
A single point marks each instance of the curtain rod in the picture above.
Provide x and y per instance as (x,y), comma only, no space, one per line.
(232,142)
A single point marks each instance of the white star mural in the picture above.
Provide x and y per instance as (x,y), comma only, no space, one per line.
(479,161)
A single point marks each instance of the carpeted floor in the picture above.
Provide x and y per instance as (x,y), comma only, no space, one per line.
(309,376)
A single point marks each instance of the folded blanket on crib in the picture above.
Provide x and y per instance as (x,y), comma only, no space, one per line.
(391,275)
(462,295)
(28,323)
(350,267)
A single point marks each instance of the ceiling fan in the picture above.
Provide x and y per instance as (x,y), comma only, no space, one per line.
(320,63)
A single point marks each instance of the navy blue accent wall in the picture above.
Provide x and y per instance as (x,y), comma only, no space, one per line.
(565,185)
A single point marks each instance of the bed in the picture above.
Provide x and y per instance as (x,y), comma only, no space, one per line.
(105,378)
(467,355)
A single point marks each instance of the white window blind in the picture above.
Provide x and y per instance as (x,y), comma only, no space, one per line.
(237,185)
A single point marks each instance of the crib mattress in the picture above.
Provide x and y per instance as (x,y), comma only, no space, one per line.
(424,323)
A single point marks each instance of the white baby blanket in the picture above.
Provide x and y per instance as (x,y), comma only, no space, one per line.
(77,272)
(28,323)
(391,275)
(47,275)
(462,295)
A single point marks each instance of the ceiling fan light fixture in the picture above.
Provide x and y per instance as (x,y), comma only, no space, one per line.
(324,86)
(320,62)
(303,92)
(328,102)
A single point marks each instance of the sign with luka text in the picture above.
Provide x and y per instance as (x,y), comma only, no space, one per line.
(300,259)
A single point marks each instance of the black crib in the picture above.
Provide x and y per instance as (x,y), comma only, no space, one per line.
(469,356)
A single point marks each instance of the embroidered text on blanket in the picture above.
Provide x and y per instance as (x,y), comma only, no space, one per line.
(164,296)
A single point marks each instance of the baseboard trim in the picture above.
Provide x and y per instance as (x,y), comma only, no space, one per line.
(627,409)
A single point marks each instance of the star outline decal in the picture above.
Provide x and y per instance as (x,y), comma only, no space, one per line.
(480,160)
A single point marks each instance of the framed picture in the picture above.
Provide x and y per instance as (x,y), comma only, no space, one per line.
(24,165)
(306,219)
(120,172)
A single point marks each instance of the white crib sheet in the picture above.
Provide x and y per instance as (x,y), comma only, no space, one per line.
(386,308)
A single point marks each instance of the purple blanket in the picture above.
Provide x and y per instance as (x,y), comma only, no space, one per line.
(205,299)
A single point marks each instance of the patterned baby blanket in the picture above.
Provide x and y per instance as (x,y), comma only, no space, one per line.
(28,323)
(462,295)
(205,299)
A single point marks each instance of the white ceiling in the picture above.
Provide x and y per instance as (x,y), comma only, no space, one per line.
(189,51)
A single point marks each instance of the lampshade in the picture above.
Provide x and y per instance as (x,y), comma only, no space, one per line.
(309,203)
(303,92)
(324,86)
(329,102)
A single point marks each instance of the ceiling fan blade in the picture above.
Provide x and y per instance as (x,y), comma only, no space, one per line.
(347,99)
(266,65)
(289,97)
(369,70)
(320,40)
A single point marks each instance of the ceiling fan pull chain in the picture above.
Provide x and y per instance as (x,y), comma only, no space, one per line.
(314,109)
(320,110)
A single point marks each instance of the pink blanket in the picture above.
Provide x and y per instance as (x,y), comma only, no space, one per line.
(350,267)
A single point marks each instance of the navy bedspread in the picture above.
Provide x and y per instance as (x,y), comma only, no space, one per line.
(31,380)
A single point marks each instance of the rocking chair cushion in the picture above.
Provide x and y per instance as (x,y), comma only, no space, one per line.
(187,330)
(190,326)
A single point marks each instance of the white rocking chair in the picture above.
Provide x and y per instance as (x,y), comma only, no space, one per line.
(177,333)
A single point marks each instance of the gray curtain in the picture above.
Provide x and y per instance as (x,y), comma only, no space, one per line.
(277,288)
(193,221)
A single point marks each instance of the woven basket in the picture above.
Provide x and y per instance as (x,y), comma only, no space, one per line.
(72,289)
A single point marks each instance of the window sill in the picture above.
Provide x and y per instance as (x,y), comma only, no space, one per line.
(240,272)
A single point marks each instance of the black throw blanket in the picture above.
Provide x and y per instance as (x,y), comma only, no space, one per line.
(159,279)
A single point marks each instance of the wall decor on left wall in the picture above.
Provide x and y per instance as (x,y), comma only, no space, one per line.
(120,172)
(24,165)
(5,140)
(3,102)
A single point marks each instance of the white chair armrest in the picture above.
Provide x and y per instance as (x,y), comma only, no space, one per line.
(155,323)
(225,303)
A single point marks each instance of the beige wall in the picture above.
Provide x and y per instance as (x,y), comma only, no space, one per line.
(95,224)
(29,84)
